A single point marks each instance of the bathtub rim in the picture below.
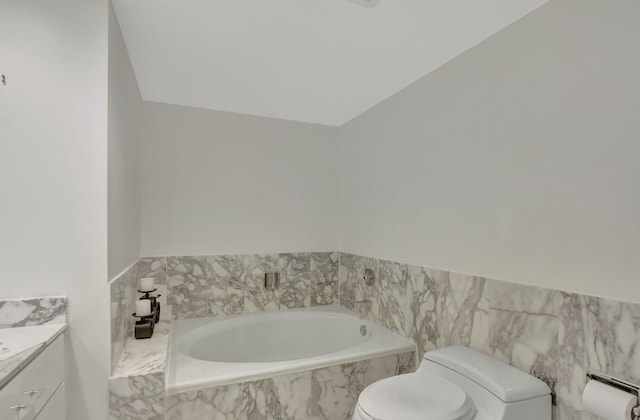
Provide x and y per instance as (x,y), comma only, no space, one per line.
(404,345)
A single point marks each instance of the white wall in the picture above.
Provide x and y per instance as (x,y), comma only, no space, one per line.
(53,176)
(518,160)
(125,112)
(217,182)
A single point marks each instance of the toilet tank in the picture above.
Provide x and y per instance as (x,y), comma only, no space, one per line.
(501,391)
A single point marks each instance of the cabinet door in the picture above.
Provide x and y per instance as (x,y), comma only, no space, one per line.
(54,408)
(37,382)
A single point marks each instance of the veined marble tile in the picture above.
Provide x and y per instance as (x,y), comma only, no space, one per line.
(394,292)
(353,287)
(443,307)
(295,280)
(228,279)
(458,310)
(137,397)
(122,306)
(155,267)
(612,337)
(571,355)
(519,325)
(283,397)
(188,284)
(335,389)
(596,333)
(32,311)
(256,298)
(324,278)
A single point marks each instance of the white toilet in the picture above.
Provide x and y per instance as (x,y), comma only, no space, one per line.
(456,383)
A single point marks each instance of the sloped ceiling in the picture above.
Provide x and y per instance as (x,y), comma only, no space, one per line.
(316,61)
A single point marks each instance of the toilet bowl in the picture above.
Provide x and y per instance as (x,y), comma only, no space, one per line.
(457,383)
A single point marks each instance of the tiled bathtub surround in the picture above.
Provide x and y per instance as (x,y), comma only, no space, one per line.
(32,311)
(197,287)
(321,394)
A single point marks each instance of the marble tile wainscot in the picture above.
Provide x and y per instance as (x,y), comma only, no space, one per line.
(554,335)
(551,334)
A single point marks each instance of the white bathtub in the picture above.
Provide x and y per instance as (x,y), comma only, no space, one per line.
(208,352)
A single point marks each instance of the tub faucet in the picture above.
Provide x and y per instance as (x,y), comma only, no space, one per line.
(365,304)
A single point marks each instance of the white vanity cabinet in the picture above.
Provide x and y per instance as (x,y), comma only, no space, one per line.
(37,392)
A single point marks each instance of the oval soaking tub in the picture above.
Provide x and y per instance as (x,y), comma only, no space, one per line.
(209,352)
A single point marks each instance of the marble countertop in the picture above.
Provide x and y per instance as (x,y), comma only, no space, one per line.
(143,357)
(20,345)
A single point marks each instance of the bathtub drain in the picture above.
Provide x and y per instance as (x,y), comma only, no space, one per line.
(363,330)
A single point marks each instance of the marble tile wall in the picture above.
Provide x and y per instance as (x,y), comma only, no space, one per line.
(232,284)
(551,334)
(32,311)
(321,394)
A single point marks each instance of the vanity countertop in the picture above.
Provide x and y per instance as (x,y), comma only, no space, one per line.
(20,345)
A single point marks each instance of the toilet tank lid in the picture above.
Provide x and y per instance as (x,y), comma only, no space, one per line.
(504,381)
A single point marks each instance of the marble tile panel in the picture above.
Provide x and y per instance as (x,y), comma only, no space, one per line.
(227,284)
(335,389)
(456,317)
(256,298)
(443,307)
(394,291)
(32,311)
(155,267)
(123,296)
(612,337)
(353,287)
(295,280)
(571,355)
(519,325)
(188,285)
(279,398)
(293,392)
(137,397)
(324,278)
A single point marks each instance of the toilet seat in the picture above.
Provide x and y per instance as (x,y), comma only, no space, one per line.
(414,397)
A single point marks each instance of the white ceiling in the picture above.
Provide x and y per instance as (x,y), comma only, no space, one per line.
(323,61)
